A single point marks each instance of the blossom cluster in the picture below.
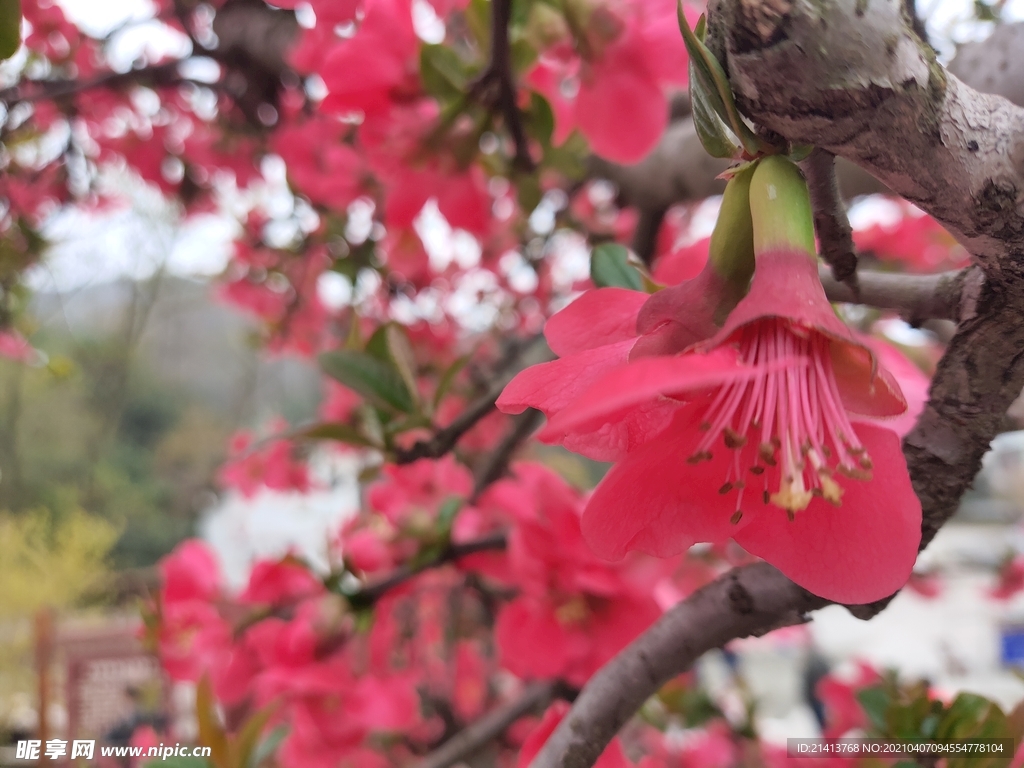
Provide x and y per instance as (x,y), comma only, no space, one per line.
(398,228)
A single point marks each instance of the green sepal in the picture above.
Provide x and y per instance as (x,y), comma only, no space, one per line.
(780,207)
(731,250)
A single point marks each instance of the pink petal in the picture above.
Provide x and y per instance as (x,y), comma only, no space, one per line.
(647,379)
(597,318)
(531,641)
(620,108)
(681,315)
(859,552)
(660,42)
(655,502)
(786,286)
(550,387)
(912,381)
(681,263)
(546,78)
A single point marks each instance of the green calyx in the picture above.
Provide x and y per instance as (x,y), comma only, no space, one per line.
(780,208)
(731,251)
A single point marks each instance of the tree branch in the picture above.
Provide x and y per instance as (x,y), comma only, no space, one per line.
(679,170)
(645,236)
(497,462)
(464,743)
(916,297)
(496,87)
(446,438)
(31,91)
(751,600)
(830,222)
(372,592)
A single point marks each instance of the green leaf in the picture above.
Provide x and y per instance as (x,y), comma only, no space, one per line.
(712,78)
(715,137)
(369,376)
(528,192)
(377,344)
(875,703)
(211,732)
(244,744)
(798,152)
(446,514)
(390,345)
(404,359)
(268,746)
(448,378)
(540,119)
(443,73)
(10,28)
(522,55)
(610,268)
(478,18)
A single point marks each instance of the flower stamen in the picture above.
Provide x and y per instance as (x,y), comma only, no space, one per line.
(790,418)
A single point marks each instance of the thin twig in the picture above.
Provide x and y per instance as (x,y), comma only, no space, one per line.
(496,87)
(916,297)
(464,743)
(40,90)
(446,438)
(645,236)
(495,465)
(371,593)
(830,222)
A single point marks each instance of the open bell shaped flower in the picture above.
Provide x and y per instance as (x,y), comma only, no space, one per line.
(602,330)
(777,461)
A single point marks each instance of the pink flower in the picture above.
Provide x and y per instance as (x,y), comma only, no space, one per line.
(376,65)
(1011,579)
(281,581)
(680,262)
(575,611)
(192,639)
(914,239)
(419,489)
(273,465)
(469,694)
(614,92)
(13,346)
(740,459)
(913,383)
(605,329)
(320,164)
(842,709)
(190,572)
(596,335)
(339,401)
(786,433)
